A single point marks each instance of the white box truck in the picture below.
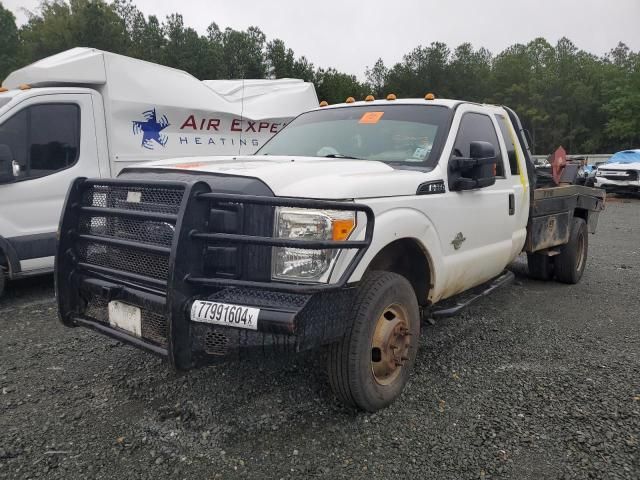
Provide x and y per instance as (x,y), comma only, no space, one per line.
(89,113)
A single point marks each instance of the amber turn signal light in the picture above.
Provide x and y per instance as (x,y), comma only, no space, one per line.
(342,228)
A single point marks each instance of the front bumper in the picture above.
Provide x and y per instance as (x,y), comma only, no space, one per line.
(621,185)
(97,264)
(618,188)
(288,322)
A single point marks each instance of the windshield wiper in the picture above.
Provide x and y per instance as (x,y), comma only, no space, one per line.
(340,155)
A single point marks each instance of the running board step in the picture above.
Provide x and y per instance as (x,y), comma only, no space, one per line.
(452,306)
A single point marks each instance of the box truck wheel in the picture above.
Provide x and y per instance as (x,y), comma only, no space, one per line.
(540,266)
(369,367)
(570,263)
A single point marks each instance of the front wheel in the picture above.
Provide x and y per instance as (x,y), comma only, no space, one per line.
(369,367)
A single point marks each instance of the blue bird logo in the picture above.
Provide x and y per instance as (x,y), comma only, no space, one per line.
(151,129)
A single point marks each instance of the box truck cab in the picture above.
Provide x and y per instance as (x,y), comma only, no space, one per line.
(90,113)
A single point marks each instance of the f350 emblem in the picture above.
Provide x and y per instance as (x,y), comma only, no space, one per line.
(457,241)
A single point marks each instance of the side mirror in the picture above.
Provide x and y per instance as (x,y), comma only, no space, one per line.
(477,171)
(6,164)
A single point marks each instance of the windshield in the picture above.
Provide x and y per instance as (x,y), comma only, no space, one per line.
(388,133)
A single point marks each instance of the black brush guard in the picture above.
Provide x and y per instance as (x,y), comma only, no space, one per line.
(157,266)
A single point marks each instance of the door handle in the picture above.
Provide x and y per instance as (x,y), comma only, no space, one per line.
(16,168)
(512,204)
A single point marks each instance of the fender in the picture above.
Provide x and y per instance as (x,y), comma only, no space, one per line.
(12,257)
(401,223)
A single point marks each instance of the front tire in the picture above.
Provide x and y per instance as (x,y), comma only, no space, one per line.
(570,263)
(369,367)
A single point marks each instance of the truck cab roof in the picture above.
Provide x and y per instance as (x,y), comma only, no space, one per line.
(443,102)
(402,101)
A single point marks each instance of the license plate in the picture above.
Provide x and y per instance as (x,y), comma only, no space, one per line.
(126,317)
(225,314)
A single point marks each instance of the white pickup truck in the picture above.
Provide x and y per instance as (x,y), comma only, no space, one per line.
(86,112)
(621,173)
(344,230)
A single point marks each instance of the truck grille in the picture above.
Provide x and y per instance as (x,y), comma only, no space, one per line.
(129,260)
(628,175)
(124,232)
(138,243)
(156,233)
(165,199)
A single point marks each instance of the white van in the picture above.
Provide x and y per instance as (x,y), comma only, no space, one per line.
(89,113)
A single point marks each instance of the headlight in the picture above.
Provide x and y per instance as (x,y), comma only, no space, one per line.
(302,264)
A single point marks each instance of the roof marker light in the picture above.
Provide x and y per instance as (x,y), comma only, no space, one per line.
(369,98)
(3,89)
(350,100)
(24,86)
(391,96)
(323,103)
(429,96)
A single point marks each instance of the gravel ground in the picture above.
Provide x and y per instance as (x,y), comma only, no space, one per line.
(539,380)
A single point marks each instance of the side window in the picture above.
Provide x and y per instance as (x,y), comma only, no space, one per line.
(478,127)
(511,148)
(43,138)
(13,133)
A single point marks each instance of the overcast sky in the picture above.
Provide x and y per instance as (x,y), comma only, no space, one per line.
(351,35)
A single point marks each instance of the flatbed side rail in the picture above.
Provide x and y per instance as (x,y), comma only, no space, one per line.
(567,190)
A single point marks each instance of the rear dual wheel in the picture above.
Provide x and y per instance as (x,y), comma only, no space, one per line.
(540,266)
(570,263)
(369,367)
(568,266)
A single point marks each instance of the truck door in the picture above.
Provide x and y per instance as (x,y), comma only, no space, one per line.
(52,141)
(475,226)
(516,169)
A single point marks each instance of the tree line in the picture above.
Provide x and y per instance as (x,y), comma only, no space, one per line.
(564,95)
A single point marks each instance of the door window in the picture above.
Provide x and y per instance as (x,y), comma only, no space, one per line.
(478,127)
(508,141)
(44,139)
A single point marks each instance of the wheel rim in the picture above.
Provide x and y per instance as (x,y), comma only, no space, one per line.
(390,344)
(580,248)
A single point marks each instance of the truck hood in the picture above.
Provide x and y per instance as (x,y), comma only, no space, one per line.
(620,166)
(309,177)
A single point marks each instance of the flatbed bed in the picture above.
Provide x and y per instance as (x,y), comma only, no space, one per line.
(552,211)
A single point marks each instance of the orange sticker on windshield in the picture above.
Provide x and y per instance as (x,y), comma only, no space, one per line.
(371,117)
